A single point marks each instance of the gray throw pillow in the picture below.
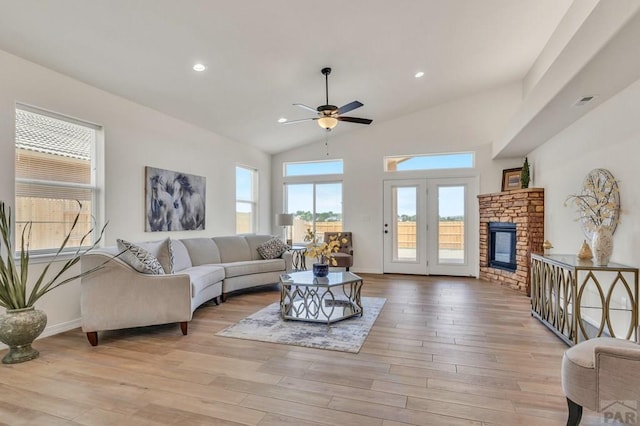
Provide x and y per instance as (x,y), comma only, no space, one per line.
(139,259)
(272,249)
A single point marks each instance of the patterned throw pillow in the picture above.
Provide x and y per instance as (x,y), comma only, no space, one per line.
(163,251)
(272,249)
(140,259)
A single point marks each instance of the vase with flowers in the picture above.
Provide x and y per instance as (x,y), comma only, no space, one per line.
(323,252)
(599,208)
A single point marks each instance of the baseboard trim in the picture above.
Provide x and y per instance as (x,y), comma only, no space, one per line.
(366,271)
(54,329)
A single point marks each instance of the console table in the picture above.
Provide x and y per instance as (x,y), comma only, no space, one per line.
(578,300)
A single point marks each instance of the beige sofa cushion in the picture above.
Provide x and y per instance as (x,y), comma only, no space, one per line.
(203,276)
(249,267)
(233,249)
(181,259)
(254,241)
(202,251)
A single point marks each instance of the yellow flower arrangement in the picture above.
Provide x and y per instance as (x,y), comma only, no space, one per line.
(323,252)
(310,236)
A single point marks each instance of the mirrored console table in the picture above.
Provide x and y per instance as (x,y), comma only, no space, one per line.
(579,301)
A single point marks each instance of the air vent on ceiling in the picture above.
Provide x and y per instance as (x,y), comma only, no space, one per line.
(584,100)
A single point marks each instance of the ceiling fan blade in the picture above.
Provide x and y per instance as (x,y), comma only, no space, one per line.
(355,120)
(349,107)
(300,121)
(307,107)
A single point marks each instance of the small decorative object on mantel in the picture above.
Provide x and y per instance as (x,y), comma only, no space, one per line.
(599,212)
(511,179)
(323,252)
(585,251)
(525,178)
(547,246)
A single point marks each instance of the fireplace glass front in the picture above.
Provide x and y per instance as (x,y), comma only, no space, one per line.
(502,246)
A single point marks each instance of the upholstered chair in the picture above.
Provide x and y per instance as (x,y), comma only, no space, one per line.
(344,256)
(600,374)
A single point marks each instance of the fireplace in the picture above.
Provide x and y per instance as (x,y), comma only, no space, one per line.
(523,210)
(502,246)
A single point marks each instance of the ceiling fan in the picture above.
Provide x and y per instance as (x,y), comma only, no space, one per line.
(329,115)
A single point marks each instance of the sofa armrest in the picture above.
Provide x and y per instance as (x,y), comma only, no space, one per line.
(617,374)
(117,296)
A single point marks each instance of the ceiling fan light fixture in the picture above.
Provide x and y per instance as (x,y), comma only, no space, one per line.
(327,123)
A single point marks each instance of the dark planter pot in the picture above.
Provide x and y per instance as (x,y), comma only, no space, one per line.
(320,269)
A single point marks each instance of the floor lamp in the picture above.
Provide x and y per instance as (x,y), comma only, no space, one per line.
(285,220)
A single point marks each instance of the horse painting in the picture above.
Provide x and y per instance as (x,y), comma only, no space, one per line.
(191,202)
(175,201)
(159,212)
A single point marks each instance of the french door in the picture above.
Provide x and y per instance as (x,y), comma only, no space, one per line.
(430,226)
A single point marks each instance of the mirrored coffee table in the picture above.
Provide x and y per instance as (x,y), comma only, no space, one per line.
(304,297)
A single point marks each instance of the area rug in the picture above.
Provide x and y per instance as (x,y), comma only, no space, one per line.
(347,335)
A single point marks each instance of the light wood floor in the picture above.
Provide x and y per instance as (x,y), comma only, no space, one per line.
(444,351)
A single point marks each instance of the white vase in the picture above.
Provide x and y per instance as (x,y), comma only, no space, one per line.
(602,245)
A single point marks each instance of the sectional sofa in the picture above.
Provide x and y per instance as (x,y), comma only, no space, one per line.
(196,270)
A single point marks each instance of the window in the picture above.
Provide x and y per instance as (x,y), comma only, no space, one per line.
(309,168)
(246,199)
(55,166)
(459,160)
(317,206)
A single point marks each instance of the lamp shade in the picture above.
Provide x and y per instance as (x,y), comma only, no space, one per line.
(284,219)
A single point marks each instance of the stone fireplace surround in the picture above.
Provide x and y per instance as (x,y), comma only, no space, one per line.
(525,208)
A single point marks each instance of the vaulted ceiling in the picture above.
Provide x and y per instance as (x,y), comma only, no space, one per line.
(263,56)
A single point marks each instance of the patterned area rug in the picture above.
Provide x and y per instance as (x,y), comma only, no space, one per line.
(347,335)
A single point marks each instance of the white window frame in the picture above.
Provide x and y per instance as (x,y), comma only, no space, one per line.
(389,158)
(317,179)
(253,202)
(319,162)
(96,186)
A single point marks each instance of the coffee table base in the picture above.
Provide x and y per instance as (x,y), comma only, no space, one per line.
(320,304)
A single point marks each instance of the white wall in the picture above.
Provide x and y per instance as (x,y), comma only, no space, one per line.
(469,124)
(607,137)
(135,137)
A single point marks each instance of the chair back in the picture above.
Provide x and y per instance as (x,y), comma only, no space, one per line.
(344,247)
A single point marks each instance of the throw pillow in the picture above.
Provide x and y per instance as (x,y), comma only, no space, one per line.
(140,259)
(163,251)
(272,249)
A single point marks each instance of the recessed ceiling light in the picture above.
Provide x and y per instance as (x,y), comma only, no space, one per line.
(199,67)
(419,74)
(282,120)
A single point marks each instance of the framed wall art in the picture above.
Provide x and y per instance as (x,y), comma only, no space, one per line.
(175,201)
(511,179)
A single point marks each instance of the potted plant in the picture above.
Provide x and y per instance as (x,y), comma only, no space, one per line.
(22,323)
(323,253)
(525,178)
